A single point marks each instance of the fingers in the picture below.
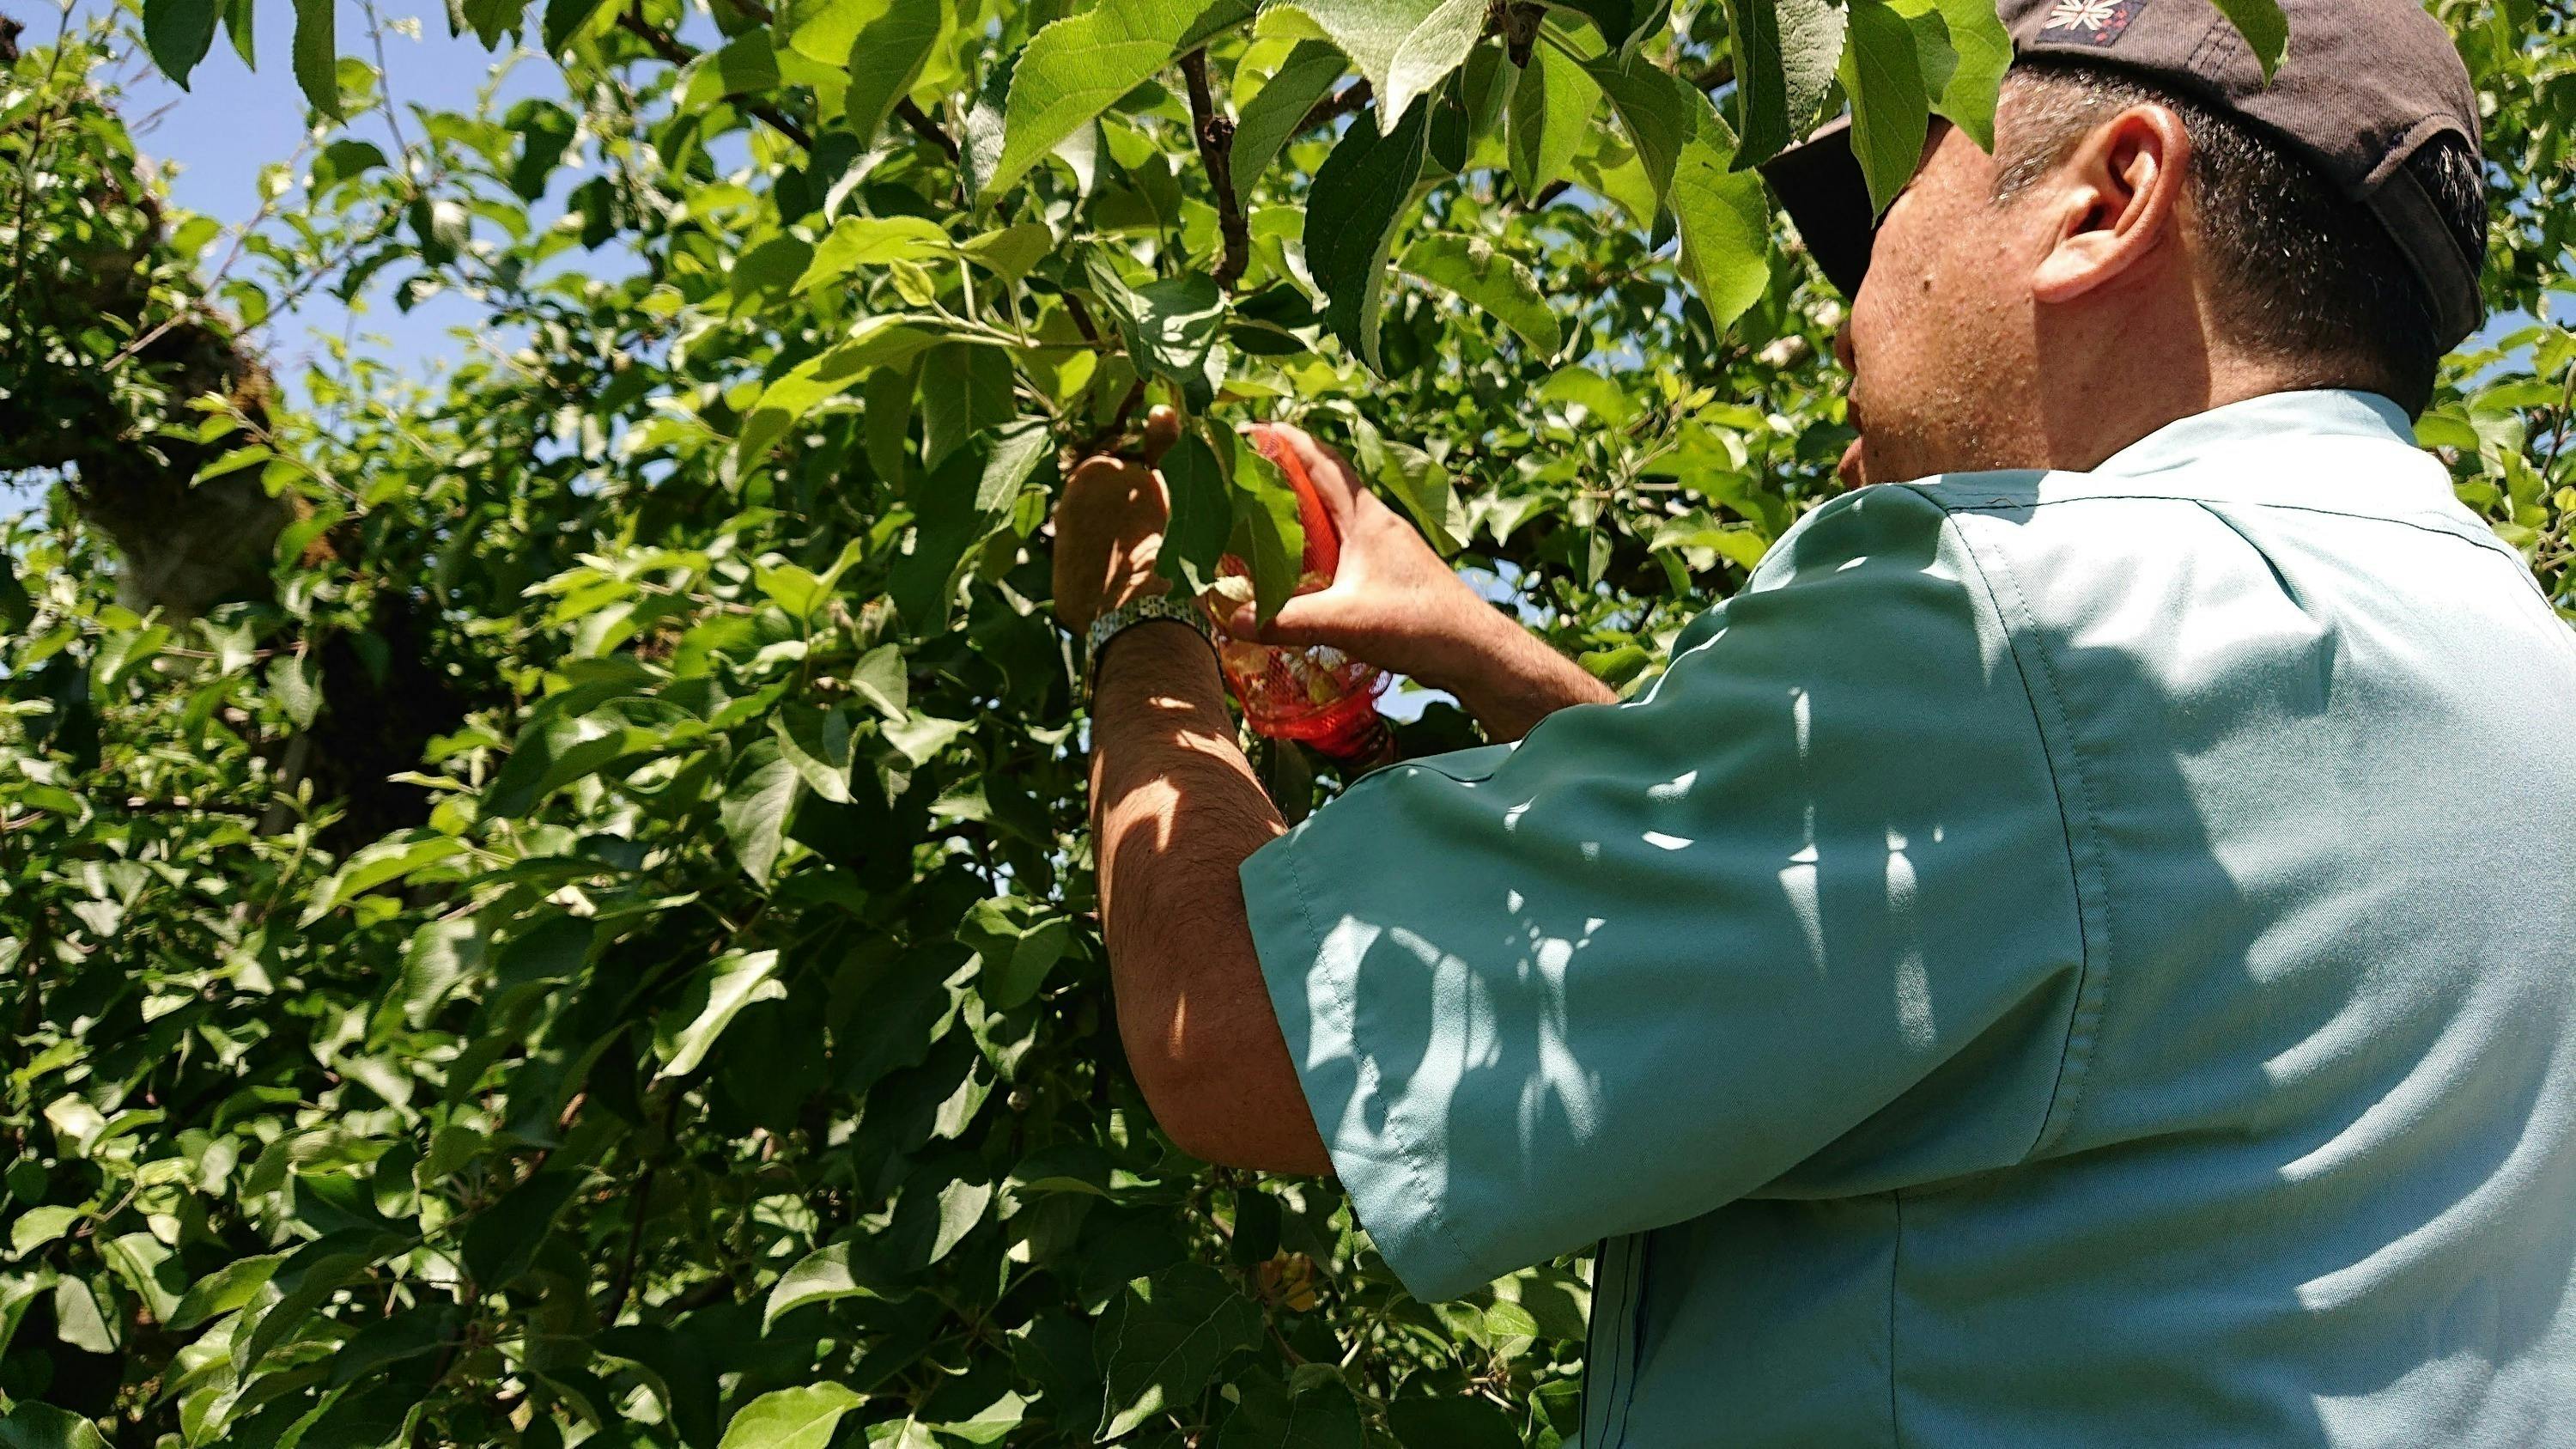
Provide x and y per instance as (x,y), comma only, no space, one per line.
(1304,619)
(1336,482)
(1162,430)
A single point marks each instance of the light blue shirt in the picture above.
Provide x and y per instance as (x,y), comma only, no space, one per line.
(2067,959)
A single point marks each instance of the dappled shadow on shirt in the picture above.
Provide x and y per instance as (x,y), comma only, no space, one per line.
(1996,1031)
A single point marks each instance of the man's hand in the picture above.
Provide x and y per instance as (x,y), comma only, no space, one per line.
(1109,529)
(1396,604)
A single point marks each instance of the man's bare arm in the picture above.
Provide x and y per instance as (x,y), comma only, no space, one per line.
(1176,810)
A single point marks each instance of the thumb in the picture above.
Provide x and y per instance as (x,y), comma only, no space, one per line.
(1162,429)
(1337,485)
(1305,619)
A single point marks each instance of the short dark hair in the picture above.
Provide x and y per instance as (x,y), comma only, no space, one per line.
(2311,274)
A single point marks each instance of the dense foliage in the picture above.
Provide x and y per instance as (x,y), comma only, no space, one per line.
(563,915)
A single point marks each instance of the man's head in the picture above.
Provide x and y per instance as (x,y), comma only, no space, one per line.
(2143,246)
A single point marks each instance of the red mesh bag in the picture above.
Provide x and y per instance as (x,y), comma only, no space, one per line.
(1316,695)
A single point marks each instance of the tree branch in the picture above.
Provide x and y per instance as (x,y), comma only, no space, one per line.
(670,49)
(1215,132)
(1331,108)
(1081,316)
(925,127)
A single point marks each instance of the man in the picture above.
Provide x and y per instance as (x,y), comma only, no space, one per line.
(2078,951)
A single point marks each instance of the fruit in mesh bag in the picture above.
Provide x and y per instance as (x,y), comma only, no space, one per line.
(1317,695)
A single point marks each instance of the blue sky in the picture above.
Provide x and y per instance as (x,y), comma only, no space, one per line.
(233,121)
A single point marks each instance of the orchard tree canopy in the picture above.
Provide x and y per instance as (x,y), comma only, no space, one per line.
(551,906)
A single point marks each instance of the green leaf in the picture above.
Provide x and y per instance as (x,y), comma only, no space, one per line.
(502,1241)
(1163,1339)
(489,20)
(1785,53)
(234,1285)
(921,738)
(38,1226)
(295,682)
(1360,193)
(989,1424)
(31,1425)
(313,1273)
(817,743)
(1011,252)
(1173,330)
(842,1270)
(1621,22)
(237,25)
(17,610)
(1018,951)
(763,274)
(375,865)
(1272,117)
(756,806)
(1486,280)
(1455,1421)
(872,241)
(885,58)
(2265,29)
(566,18)
(953,518)
(1890,110)
(179,33)
(317,54)
(964,390)
(881,678)
(1984,51)
(791,1418)
(882,341)
(1723,214)
(683,1037)
(961,1205)
(1321,1415)
(745,65)
(1202,513)
(1079,66)
(558,747)
(1551,112)
(1403,47)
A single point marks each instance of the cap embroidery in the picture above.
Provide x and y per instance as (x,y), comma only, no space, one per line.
(2091,22)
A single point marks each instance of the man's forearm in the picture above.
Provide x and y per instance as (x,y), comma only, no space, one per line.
(1506,676)
(1176,810)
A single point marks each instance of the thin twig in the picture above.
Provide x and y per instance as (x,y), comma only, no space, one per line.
(2558,436)
(1334,107)
(670,49)
(1117,425)
(926,128)
(1215,132)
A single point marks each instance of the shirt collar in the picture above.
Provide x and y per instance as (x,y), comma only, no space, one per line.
(2316,413)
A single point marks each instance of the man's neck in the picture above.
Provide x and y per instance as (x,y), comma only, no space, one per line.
(2124,396)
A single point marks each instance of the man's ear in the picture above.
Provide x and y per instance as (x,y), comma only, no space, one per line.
(2119,201)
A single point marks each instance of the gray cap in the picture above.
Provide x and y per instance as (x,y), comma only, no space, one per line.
(2367,85)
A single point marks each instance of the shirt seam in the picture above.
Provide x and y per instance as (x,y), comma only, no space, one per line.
(1407,1150)
(1895,1266)
(2462,533)
(2091,984)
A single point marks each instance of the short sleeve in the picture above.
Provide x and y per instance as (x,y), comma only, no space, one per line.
(1798,919)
